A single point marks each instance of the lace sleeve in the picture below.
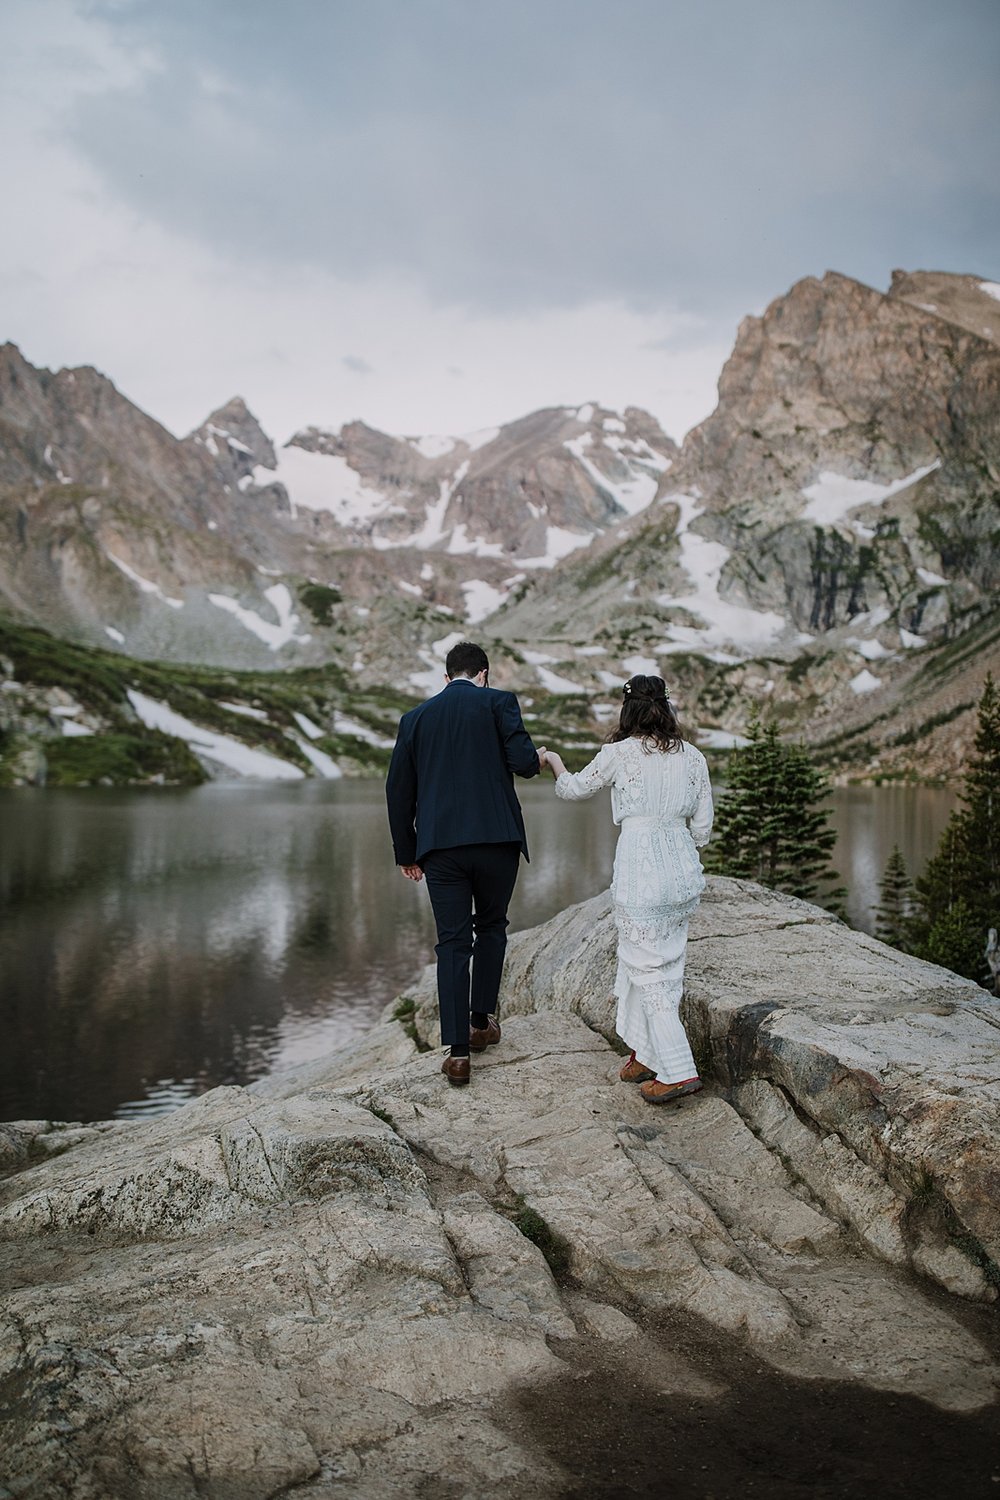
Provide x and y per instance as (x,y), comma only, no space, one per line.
(700,821)
(600,772)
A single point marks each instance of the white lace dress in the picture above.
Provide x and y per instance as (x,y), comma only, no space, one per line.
(663,803)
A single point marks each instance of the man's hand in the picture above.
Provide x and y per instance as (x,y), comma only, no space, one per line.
(543,759)
(412,872)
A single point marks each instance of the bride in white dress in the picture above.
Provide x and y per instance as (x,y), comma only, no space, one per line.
(661,797)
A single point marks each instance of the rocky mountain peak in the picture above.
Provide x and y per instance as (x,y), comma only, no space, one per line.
(526,493)
(233,436)
(74,427)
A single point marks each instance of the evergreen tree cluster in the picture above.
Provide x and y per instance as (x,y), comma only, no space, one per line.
(770,825)
(946,915)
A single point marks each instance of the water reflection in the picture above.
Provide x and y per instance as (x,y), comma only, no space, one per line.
(869,820)
(154,944)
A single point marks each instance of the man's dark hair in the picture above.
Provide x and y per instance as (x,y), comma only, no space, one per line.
(466,660)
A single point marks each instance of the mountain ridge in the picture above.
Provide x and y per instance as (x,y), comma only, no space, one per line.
(834,523)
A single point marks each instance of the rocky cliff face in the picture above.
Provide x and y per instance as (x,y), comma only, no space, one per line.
(346,1278)
(833,524)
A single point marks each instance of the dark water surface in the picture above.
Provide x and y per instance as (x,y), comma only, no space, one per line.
(156,943)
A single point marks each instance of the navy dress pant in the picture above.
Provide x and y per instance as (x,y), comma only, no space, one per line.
(470,888)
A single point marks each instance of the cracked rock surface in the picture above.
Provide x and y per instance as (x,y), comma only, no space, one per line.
(331,1283)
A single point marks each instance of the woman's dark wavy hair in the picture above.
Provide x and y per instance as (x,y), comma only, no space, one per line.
(647,714)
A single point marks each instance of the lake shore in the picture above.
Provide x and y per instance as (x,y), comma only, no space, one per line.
(154,945)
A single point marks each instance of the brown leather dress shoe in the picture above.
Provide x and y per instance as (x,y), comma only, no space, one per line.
(486,1036)
(636,1072)
(457,1070)
(662,1093)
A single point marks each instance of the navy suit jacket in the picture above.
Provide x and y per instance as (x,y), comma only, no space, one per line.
(451,777)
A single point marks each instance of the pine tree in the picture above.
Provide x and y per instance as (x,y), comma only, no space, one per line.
(981,812)
(955,941)
(770,826)
(959,892)
(894,914)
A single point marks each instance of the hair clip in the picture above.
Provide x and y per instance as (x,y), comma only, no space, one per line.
(627,689)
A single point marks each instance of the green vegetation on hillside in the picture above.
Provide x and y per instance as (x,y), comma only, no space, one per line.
(122,760)
(127,753)
(319,599)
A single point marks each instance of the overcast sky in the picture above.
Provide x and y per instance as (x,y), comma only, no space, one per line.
(440,214)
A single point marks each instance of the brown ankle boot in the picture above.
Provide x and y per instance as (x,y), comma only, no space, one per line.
(635,1071)
(662,1093)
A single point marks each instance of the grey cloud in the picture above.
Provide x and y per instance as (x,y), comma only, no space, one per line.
(525,155)
(355,363)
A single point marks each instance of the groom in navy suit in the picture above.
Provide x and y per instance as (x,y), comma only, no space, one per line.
(455,818)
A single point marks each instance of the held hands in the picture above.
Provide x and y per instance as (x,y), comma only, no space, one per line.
(412,872)
(550,760)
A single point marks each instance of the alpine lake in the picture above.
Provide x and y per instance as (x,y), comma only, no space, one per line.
(155,943)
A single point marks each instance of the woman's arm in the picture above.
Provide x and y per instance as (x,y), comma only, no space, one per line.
(576,788)
(700,821)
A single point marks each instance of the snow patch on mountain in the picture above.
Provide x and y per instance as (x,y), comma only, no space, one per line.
(639,451)
(641,666)
(481,599)
(832,495)
(274,635)
(212,432)
(145,584)
(476,440)
(244,709)
(307,725)
(434,529)
(327,768)
(211,745)
(431,680)
(553,683)
(432,446)
(870,650)
(632,494)
(326,482)
(725,623)
(720,739)
(991,288)
(62,478)
(459,544)
(559,543)
(865,682)
(342,724)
